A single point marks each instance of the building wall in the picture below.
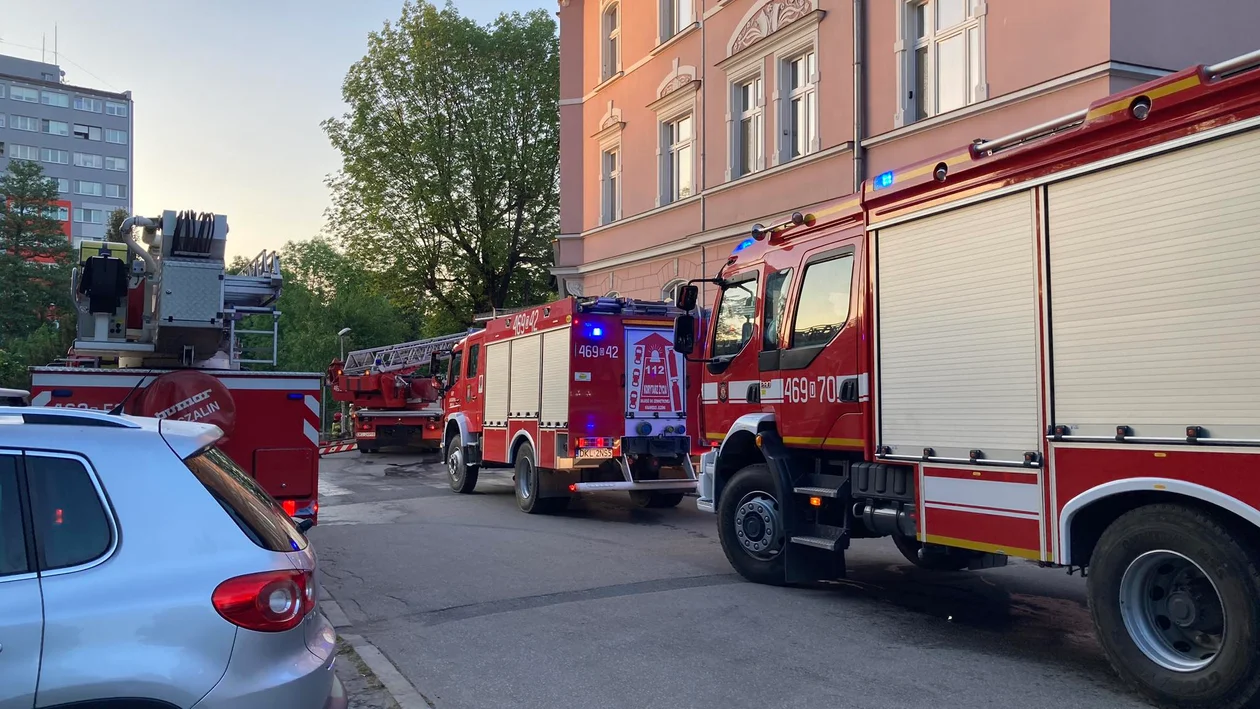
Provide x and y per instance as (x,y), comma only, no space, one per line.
(79,180)
(1036,61)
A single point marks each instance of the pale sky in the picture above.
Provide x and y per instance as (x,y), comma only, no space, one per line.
(229,94)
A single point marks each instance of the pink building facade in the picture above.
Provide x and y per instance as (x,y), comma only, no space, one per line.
(684,122)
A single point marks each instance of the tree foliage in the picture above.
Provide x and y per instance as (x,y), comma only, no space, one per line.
(35,308)
(324,291)
(449,187)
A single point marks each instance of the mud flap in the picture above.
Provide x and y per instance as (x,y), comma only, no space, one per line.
(801,563)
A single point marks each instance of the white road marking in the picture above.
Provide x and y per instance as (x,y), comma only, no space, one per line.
(327,489)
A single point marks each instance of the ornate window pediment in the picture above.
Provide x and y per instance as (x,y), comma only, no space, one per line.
(766,19)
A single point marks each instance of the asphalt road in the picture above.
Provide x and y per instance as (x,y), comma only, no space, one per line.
(481,606)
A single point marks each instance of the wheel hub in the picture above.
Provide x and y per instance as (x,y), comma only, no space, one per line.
(757,525)
(453,463)
(1172,611)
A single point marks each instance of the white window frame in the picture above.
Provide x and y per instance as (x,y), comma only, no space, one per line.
(88,104)
(55,99)
(82,214)
(735,118)
(29,124)
(610,48)
(806,93)
(116,161)
(54,153)
(2,120)
(89,160)
(670,109)
(118,191)
(29,95)
(669,291)
(62,181)
(116,108)
(610,182)
(63,214)
(2,87)
(674,16)
(669,191)
(28,152)
(908,44)
(117,132)
(46,126)
(89,188)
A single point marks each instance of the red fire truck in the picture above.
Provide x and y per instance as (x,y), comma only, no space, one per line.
(576,395)
(1045,346)
(164,330)
(395,396)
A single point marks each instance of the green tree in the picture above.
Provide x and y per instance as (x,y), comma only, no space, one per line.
(114,230)
(35,308)
(449,186)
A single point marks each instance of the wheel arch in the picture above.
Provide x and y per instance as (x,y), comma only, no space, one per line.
(456,425)
(518,440)
(1085,517)
(739,449)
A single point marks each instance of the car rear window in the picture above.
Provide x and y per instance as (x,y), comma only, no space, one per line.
(258,515)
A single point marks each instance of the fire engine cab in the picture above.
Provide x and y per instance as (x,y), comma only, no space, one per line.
(165,330)
(1044,346)
(394,392)
(576,395)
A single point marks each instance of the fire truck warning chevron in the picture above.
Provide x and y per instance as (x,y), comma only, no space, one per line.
(577,395)
(1043,346)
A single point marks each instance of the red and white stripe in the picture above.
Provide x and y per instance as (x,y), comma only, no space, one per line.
(330,448)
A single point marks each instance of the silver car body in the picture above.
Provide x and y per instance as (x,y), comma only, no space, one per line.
(138,622)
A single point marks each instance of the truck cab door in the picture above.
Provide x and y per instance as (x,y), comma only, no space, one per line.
(821,388)
(732,383)
(22,622)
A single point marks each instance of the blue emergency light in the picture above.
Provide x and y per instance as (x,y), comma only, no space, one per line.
(884,180)
(744,244)
(597,331)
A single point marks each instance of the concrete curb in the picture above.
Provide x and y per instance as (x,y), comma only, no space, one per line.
(402,691)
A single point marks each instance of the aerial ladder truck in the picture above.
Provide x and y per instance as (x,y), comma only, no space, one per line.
(395,395)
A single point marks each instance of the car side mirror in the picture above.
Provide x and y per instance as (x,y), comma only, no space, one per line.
(687,296)
(684,334)
(303,524)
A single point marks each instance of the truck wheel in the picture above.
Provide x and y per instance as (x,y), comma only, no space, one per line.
(461,476)
(750,525)
(1176,604)
(944,559)
(528,488)
(655,500)
(367,448)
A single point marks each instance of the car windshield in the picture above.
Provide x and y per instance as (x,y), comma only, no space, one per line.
(258,515)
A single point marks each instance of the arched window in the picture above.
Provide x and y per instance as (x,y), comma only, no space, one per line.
(669,293)
(611,36)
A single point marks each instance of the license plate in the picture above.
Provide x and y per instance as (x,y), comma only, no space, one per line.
(594,453)
(365,434)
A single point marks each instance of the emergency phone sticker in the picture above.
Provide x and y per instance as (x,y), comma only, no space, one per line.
(654,379)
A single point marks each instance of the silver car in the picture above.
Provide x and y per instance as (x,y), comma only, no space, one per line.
(141,568)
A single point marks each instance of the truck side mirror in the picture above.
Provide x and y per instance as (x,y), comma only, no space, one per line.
(687,296)
(685,333)
(433,366)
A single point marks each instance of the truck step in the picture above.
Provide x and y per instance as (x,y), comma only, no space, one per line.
(817,542)
(816,491)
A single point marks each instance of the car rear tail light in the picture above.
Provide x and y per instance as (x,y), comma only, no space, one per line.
(602,442)
(289,506)
(269,602)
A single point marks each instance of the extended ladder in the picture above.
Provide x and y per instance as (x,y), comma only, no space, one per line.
(400,356)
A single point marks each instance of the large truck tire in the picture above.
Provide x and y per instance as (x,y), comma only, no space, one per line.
(754,546)
(943,559)
(461,476)
(1175,599)
(528,486)
(367,447)
(655,500)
